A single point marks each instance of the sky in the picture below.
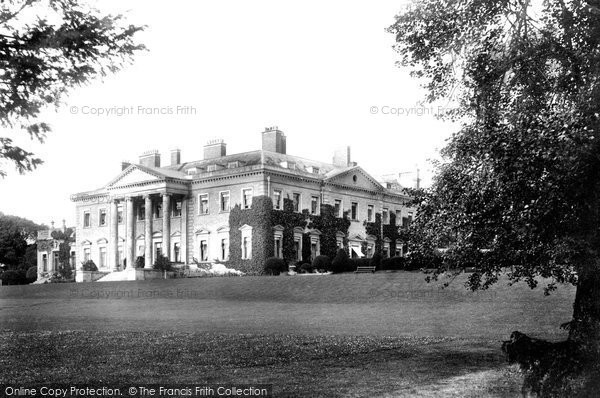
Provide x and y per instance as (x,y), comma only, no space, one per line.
(325,73)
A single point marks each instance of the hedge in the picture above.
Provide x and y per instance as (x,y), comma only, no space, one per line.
(275,266)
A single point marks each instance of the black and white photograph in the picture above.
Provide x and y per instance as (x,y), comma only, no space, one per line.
(261,198)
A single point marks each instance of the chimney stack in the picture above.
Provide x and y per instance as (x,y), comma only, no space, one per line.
(150,159)
(124,165)
(274,140)
(215,149)
(64,225)
(175,157)
(341,157)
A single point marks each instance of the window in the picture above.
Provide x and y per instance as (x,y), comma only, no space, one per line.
(296,200)
(337,206)
(224,249)
(45,262)
(86,220)
(203,250)
(233,165)
(278,247)
(55,262)
(103,257)
(370,213)
(72,259)
(277,199)
(398,216)
(313,250)
(176,210)
(157,250)
(203,203)
(176,252)
(141,251)
(142,211)
(157,210)
(87,254)
(410,217)
(102,218)
(298,249)
(211,167)
(314,205)
(354,211)
(224,201)
(246,198)
(385,216)
(246,248)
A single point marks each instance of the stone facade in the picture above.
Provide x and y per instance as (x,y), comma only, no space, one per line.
(182,209)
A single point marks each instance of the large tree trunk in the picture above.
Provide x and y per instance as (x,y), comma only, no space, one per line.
(585,326)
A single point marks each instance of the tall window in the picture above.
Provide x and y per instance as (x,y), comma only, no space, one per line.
(298,249)
(278,247)
(313,250)
(296,199)
(247,198)
(224,249)
(55,262)
(246,248)
(72,259)
(176,208)
(176,252)
(277,199)
(45,262)
(314,205)
(354,211)
(224,201)
(203,203)
(398,216)
(142,211)
(337,207)
(103,257)
(86,220)
(385,216)
(157,250)
(158,210)
(203,250)
(87,254)
(370,213)
(102,217)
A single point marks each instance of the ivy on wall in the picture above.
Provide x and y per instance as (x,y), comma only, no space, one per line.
(259,218)
(389,231)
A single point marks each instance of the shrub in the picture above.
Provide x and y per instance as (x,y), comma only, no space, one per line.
(341,262)
(140,261)
(275,266)
(392,264)
(322,263)
(14,277)
(89,265)
(31,274)
(306,268)
(375,260)
(162,263)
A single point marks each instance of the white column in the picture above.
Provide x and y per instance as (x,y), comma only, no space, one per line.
(166,231)
(184,231)
(148,232)
(113,248)
(130,234)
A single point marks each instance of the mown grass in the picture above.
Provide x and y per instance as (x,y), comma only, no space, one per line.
(306,366)
(376,335)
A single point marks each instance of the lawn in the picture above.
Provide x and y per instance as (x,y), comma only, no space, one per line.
(388,334)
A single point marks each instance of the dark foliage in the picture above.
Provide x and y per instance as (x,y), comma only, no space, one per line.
(305,268)
(31,274)
(14,277)
(375,261)
(89,266)
(392,264)
(140,261)
(162,263)
(341,262)
(322,263)
(275,266)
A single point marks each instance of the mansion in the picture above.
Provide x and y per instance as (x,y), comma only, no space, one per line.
(181,209)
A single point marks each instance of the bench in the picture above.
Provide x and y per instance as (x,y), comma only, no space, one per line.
(363,270)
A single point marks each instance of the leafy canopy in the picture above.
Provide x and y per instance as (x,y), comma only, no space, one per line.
(518,184)
(46,48)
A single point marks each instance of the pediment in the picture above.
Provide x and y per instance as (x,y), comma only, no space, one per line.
(134,175)
(356,177)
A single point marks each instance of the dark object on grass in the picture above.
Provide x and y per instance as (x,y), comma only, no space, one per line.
(322,263)
(306,268)
(89,265)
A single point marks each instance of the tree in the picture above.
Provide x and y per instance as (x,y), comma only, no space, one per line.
(518,185)
(46,48)
(14,234)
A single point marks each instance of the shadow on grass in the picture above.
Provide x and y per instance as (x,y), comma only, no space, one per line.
(296,365)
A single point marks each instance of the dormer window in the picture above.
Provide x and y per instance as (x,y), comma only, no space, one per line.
(211,167)
(233,165)
(192,170)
